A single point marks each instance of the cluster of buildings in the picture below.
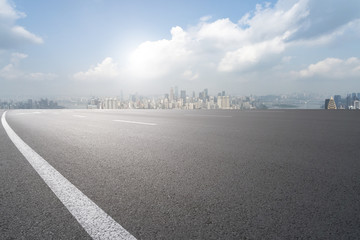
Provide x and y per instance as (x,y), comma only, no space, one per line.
(30,104)
(352,101)
(176,100)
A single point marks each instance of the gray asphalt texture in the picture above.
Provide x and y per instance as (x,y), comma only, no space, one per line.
(292,174)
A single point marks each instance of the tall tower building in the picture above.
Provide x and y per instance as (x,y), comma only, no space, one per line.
(326,103)
(226,102)
(348,101)
(337,99)
(183,96)
(219,102)
(356,104)
(331,104)
(206,95)
(176,93)
(171,94)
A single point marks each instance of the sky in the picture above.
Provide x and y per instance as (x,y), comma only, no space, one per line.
(103,47)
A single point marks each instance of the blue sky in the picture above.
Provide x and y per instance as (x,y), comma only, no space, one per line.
(101,47)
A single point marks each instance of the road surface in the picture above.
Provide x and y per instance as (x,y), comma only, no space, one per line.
(165,174)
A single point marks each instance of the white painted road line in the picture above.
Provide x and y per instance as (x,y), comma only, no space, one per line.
(142,123)
(208,115)
(26,113)
(79,116)
(92,218)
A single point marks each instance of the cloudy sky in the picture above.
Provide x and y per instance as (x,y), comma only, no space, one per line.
(100,47)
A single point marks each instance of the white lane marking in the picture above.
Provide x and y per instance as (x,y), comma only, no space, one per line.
(266,111)
(26,113)
(91,217)
(142,123)
(79,116)
(208,115)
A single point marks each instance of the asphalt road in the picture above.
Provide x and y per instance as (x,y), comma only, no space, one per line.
(187,174)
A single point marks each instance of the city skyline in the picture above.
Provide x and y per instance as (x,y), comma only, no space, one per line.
(181,99)
(101,47)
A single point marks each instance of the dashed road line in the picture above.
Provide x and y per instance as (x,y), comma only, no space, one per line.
(79,116)
(142,123)
(208,115)
(27,113)
(97,223)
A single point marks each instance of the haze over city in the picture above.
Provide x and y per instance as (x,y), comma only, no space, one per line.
(244,47)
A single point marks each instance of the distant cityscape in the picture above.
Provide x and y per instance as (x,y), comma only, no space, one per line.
(181,99)
(337,102)
(29,104)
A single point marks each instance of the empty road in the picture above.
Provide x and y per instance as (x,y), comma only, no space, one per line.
(162,174)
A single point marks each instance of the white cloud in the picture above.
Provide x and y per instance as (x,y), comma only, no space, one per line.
(106,70)
(156,59)
(350,28)
(189,75)
(17,57)
(20,32)
(230,46)
(40,76)
(222,49)
(12,71)
(332,68)
(12,35)
(250,55)
(205,18)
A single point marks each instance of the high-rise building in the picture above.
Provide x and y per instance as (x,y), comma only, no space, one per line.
(356,104)
(201,95)
(30,103)
(219,102)
(326,103)
(337,99)
(348,101)
(353,96)
(331,104)
(206,94)
(171,94)
(183,96)
(176,93)
(226,102)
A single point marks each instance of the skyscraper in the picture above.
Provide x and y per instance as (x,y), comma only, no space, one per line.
(326,103)
(226,102)
(219,102)
(331,103)
(171,94)
(356,104)
(348,101)
(206,95)
(337,99)
(176,93)
(183,95)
